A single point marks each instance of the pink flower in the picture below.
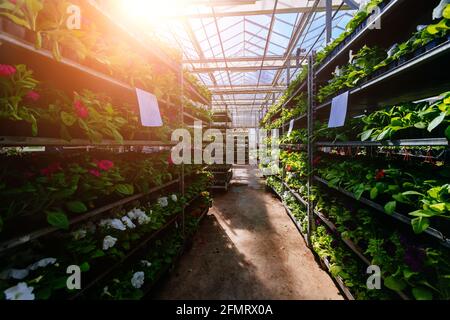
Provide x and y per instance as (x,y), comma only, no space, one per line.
(7,70)
(105,165)
(81,109)
(33,96)
(13,1)
(51,169)
(95,172)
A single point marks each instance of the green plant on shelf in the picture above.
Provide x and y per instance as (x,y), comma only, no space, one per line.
(369,60)
(299,136)
(19,100)
(362,64)
(424,198)
(94,245)
(61,189)
(385,124)
(351,26)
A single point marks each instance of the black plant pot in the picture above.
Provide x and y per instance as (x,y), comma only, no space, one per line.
(15,128)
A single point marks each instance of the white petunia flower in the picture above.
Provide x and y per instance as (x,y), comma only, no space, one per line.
(174,198)
(19,292)
(138,280)
(128,222)
(143,219)
(117,224)
(79,234)
(17,274)
(132,214)
(146,264)
(109,242)
(42,263)
(163,202)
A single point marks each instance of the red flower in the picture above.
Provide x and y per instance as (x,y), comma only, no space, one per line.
(51,169)
(380,175)
(33,96)
(6,70)
(95,172)
(169,160)
(105,165)
(81,110)
(288,168)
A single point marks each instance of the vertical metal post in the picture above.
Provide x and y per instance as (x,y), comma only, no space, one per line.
(310,117)
(328,19)
(182,175)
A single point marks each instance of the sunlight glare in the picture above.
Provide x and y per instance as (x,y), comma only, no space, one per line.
(152,9)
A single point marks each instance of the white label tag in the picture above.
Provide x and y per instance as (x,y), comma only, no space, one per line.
(291,127)
(338,111)
(149,109)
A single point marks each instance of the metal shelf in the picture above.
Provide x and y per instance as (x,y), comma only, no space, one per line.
(42,142)
(339,281)
(153,235)
(388,143)
(295,147)
(17,241)
(380,92)
(357,38)
(400,217)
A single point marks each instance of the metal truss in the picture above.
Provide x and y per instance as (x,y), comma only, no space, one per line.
(253,47)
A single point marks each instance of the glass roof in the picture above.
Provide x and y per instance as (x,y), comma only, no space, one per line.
(240,49)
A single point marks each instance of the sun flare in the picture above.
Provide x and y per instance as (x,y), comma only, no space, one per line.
(151,9)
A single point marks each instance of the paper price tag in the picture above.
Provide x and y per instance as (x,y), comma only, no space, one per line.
(338,113)
(149,109)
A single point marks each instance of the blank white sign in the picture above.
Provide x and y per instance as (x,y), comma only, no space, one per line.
(338,111)
(149,109)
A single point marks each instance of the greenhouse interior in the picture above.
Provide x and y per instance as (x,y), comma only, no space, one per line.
(246,150)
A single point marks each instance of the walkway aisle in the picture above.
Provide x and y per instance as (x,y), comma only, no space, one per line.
(248,248)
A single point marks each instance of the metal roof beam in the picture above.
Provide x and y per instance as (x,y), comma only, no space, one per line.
(239,59)
(255,12)
(241,69)
(248,90)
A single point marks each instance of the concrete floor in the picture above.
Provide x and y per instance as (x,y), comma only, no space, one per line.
(248,248)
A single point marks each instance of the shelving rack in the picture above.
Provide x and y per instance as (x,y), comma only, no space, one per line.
(223,173)
(70,75)
(412,78)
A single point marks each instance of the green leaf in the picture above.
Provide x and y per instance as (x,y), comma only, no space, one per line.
(373,193)
(125,189)
(84,267)
(16,20)
(420,224)
(439,207)
(447,132)
(412,193)
(68,119)
(58,219)
(389,208)
(437,121)
(421,293)
(76,207)
(394,283)
(446,12)
(366,134)
(420,125)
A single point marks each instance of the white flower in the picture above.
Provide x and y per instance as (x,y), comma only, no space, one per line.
(106,291)
(163,202)
(133,214)
(20,292)
(174,198)
(42,263)
(79,234)
(146,264)
(109,242)
(117,224)
(138,280)
(143,219)
(128,222)
(17,274)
